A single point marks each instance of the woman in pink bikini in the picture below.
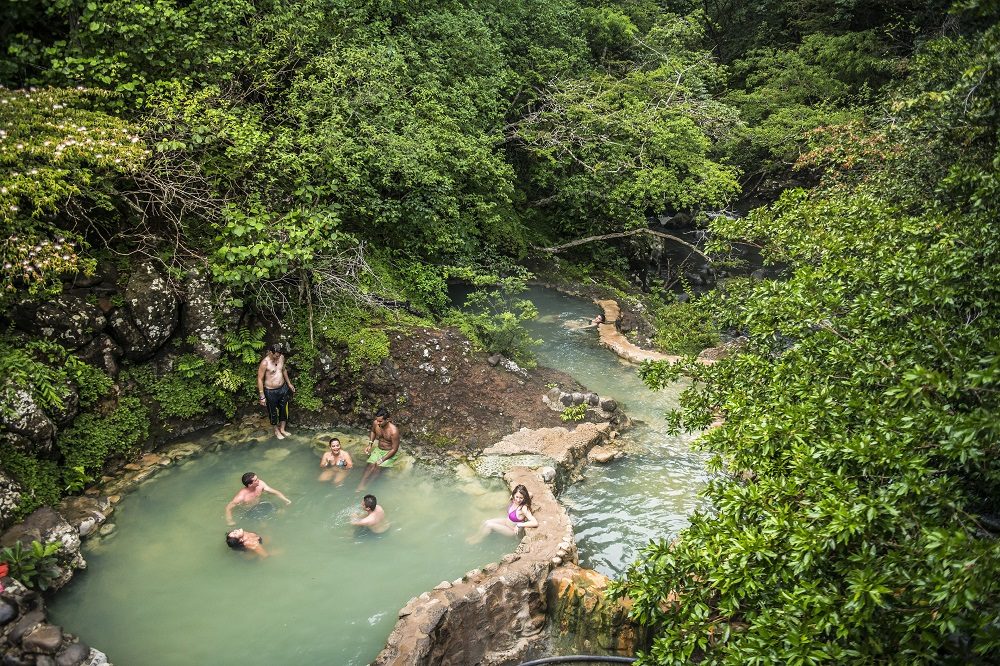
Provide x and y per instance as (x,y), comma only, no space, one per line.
(518,517)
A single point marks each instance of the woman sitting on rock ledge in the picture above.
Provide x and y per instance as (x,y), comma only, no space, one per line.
(518,517)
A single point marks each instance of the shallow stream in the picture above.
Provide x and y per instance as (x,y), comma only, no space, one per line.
(647,495)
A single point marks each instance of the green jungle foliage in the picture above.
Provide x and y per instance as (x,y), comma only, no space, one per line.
(366,339)
(492,317)
(36,566)
(856,500)
(39,479)
(315,155)
(47,373)
(96,436)
(684,328)
(574,413)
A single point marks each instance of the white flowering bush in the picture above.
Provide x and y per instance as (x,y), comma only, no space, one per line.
(60,162)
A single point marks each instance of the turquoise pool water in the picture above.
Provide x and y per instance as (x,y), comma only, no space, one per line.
(165,589)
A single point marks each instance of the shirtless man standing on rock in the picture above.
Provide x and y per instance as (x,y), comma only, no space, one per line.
(275,388)
(387,435)
(254,487)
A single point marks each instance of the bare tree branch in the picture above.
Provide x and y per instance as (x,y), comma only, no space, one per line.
(622,234)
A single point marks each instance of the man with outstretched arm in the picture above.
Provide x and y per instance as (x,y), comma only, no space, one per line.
(386,434)
(253,488)
(275,388)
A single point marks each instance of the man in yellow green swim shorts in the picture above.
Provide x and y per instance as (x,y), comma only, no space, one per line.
(385,454)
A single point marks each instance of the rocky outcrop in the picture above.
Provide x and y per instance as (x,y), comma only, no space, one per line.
(712,354)
(198,317)
(614,340)
(68,319)
(150,314)
(563,448)
(47,526)
(10,497)
(102,352)
(583,620)
(27,638)
(28,422)
(494,615)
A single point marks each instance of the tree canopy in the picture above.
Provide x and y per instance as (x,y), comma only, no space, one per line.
(855,504)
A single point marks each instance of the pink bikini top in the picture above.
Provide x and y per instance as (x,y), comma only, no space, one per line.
(512,514)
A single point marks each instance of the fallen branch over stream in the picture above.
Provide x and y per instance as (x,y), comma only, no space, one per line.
(622,234)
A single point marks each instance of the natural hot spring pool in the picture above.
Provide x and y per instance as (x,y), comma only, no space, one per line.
(164,588)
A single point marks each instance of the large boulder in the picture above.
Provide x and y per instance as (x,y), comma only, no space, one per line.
(68,319)
(10,498)
(47,526)
(584,620)
(198,319)
(102,352)
(150,315)
(28,420)
(64,414)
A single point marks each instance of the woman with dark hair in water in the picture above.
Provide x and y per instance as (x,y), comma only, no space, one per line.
(240,539)
(518,517)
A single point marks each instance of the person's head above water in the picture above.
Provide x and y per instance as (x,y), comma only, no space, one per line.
(234,539)
(524,499)
(599,319)
(248,479)
(334,443)
(369,502)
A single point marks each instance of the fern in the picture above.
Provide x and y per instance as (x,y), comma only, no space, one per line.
(245,344)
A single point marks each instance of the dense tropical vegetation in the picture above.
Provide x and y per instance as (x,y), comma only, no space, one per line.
(328,160)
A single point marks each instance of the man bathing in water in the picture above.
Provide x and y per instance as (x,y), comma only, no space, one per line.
(254,487)
(373,517)
(275,388)
(335,463)
(387,435)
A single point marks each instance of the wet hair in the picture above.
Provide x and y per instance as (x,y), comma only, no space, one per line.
(332,440)
(524,491)
(275,347)
(599,318)
(382,411)
(234,541)
(248,478)
(369,502)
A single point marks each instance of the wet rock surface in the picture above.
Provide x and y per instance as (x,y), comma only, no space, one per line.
(582,618)
(10,497)
(198,316)
(27,638)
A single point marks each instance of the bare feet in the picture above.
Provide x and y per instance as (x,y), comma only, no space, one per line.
(277,433)
(285,432)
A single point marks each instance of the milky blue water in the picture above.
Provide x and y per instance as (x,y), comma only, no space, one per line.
(165,589)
